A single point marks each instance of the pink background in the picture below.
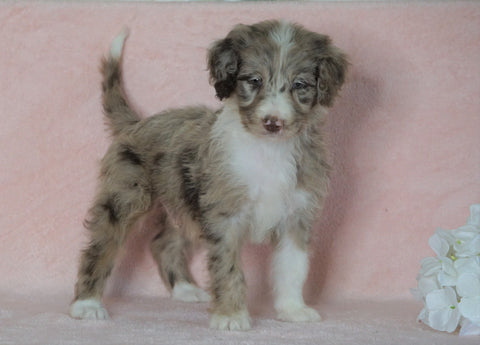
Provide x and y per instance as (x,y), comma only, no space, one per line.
(404,136)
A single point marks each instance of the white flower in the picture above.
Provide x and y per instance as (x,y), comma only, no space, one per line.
(449,284)
(440,267)
(441,310)
(441,242)
(467,241)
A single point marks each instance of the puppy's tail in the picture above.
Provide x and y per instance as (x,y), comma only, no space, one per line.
(120,116)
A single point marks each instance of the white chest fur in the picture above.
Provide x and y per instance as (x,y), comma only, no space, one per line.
(268,170)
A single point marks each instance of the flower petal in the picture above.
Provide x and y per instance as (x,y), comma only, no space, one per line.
(467,241)
(427,285)
(447,266)
(469,328)
(468,284)
(446,280)
(439,244)
(444,320)
(430,266)
(470,264)
(470,308)
(442,312)
(468,248)
(448,274)
(441,299)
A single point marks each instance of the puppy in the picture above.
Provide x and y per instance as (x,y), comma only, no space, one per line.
(254,170)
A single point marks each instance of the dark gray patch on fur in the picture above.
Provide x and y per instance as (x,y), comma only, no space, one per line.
(158,158)
(129,155)
(214,260)
(91,268)
(190,187)
(158,236)
(211,237)
(113,75)
(223,63)
(225,87)
(225,214)
(92,254)
(110,207)
(171,279)
(217,293)
(90,284)
(305,99)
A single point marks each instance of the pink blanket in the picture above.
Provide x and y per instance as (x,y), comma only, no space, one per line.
(404,137)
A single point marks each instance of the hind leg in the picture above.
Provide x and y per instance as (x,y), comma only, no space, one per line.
(109,228)
(122,198)
(170,251)
(95,266)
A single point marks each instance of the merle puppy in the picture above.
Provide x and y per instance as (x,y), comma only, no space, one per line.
(253,170)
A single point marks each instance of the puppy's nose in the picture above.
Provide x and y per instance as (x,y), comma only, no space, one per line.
(272,124)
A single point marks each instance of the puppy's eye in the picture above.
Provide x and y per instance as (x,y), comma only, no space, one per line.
(299,85)
(255,81)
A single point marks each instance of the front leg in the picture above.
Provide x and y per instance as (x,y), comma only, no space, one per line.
(290,269)
(229,311)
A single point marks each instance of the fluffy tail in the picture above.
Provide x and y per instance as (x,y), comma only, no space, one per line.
(118,113)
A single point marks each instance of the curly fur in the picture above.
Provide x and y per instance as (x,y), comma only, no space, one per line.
(255,169)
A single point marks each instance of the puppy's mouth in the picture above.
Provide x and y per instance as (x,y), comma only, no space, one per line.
(269,127)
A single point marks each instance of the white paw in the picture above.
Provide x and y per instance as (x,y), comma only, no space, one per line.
(298,314)
(187,292)
(88,309)
(239,321)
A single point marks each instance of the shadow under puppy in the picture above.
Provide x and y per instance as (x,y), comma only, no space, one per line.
(254,170)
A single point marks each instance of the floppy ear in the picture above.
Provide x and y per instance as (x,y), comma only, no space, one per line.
(332,68)
(223,63)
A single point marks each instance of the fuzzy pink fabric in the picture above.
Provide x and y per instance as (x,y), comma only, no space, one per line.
(404,136)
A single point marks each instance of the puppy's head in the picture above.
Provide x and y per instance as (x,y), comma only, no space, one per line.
(277,73)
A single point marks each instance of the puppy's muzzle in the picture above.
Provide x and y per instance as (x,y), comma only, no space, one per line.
(273,124)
